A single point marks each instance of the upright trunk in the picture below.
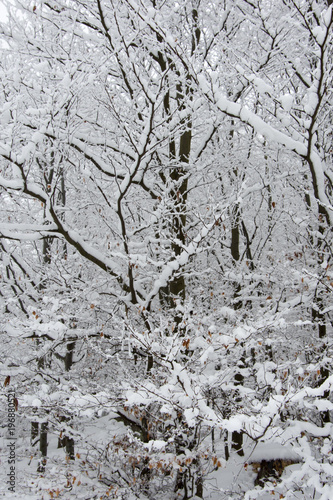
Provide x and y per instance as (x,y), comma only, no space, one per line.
(34,433)
(70,450)
(318,316)
(177,288)
(235,253)
(175,291)
(69,355)
(65,441)
(237,436)
(43,446)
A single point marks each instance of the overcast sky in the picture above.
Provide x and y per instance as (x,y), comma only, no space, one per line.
(2,11)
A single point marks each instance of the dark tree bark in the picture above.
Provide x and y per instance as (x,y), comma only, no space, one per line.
(69,355)
(43,446)
(34,433)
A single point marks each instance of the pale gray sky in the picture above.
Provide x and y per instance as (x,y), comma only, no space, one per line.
(2,11)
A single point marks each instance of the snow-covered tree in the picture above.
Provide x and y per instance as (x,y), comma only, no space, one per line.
(166,242)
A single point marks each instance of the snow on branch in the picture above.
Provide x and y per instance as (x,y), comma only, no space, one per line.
(174,265)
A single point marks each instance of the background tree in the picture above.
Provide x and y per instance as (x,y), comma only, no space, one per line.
(166,225)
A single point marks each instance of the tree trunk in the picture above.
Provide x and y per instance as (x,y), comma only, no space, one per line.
(69,355)
(34,433)
(43,446)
